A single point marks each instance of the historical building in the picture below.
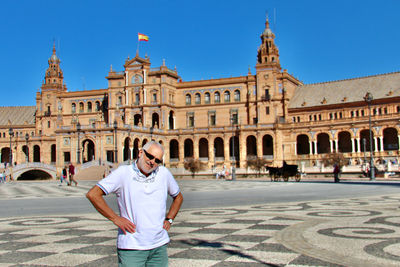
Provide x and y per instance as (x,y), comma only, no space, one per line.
(268,114)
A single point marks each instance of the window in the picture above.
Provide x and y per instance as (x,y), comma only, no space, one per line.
(330,116)
(237,95)
(188,99)
(267,110)
(207,98)
(137,99)
(190,119)
(89,106)
(320,117)
(352,114)
(73,108)
(48,124)
(119,100)
(197,99)
(81,106)
(234,118)
(217,97)
(298,119)
(97,106)
(211,118)
(362,113)
(357,114)
(227,97)
(154,98)
(310,117)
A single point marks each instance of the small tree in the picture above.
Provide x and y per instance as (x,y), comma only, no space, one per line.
(335,158)
(257,164)
(193,165)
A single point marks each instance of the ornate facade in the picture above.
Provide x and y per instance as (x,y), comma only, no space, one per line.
(268,114)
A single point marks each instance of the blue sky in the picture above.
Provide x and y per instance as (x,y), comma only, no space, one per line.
(318,41)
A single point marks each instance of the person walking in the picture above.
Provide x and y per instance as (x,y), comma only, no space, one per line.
(142,189)
(64,176)
(71,170)
(336,171)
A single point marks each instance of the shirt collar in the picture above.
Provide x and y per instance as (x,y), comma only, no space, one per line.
(140,177)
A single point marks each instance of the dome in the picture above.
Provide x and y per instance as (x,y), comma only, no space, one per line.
(54,57)
(267,32)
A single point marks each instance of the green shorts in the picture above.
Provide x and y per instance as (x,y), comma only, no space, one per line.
(156,257)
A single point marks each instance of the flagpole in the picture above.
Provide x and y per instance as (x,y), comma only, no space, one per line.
(137,49)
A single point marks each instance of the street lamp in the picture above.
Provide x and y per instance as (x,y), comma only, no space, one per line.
(11,133)
(27,150)
(368,98)
(115,141)
(78,129)
(233,150)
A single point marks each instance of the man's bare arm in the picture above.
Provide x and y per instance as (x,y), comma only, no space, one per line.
(95,196)
(173,210)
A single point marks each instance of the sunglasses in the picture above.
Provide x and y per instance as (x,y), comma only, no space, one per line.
(151,157)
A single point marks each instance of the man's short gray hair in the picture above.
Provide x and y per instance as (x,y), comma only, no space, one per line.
(149,144)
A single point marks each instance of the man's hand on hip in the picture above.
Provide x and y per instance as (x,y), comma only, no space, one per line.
(124,224)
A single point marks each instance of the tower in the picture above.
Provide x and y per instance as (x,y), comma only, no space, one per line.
(53,80)
(268,53)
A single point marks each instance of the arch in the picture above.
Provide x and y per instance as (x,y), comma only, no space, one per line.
(88,150)
(227,96)
(155,120)
(323,145)
(5,154)
(53,153)
(188,148)
(390,139)
(203,148)
(207,98)
(144,142)
(98,106)
(188,99)
(268,145)
(219,148)
(127,150)
(137,119)
(236,95)
(197,99)
(251,146)
(89,106)
(136,148)
(25,150)
(171,122)
(217,97)
(344,141)
(34,175)
(173,150)
(302,144)
(365,145)
(36,153)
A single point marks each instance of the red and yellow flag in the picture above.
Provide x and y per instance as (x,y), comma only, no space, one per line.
(143,37)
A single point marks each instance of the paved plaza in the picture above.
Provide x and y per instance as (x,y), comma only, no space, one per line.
(347,232)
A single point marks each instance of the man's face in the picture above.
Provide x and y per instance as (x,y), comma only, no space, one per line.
(147,165)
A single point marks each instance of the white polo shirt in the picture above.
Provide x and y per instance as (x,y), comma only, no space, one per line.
(143,201)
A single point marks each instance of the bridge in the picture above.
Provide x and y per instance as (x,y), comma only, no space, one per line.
(36,170)
(42,171)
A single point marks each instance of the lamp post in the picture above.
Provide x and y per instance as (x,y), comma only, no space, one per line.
(78,129)
(233,151)
(368,98)
(11,133)
(115,142)
(27,150)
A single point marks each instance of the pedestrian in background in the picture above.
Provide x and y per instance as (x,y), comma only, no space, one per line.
(71,171)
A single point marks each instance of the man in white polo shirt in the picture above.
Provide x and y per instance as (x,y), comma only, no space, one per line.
(142,190)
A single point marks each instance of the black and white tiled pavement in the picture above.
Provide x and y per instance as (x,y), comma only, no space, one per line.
(348,232)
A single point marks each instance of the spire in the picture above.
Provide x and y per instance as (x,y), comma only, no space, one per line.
(268,53)
(53,79)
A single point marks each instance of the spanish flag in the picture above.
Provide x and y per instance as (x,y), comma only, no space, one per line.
(143,37)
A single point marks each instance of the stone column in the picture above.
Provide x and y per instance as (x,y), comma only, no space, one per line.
(311,146)
(376,144)
(358,145)
(352,145)
(381,139)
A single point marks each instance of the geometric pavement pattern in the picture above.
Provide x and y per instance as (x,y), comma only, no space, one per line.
(345,232)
